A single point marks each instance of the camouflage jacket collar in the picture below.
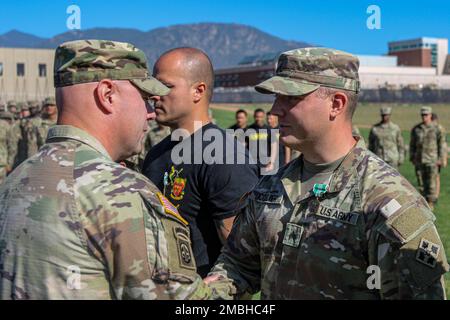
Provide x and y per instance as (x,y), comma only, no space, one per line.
(73,133)
(341,176)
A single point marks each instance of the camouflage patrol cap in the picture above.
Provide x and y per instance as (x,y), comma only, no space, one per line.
(20,106)
(302,71)
(426,110)
(12,103)
(49,101)
(86,61)
(33,104)
(385,110)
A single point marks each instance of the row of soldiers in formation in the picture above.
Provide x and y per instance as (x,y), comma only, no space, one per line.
(427,148)
(24,128)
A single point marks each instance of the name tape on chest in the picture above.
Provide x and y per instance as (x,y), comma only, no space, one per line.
(274,198)
(338,215)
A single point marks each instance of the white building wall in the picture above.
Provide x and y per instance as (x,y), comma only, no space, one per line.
(31,86)
(442,54)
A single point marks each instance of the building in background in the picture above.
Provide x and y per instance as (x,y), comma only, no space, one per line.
(26,74)
(421,52)
(410,67)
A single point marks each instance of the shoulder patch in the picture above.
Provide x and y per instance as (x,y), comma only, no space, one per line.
(170,209)
(390,208)
(428,252)
(406,223)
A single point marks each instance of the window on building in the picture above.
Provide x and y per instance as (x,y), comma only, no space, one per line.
(1,69)
(21,69)
(42,70)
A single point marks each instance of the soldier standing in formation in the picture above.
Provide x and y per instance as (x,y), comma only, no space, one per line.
(5,144)
(325,222)
(71,210)
(49,118)
(386,141)
(15,134)
(444,163)
(427,153)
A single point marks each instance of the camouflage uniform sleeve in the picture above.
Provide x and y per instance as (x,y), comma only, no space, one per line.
(400,146)
(407,249)
(137,243)
(239,265)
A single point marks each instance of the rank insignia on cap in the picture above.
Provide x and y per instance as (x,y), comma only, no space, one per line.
(292,235)
(427,253)
(170,209)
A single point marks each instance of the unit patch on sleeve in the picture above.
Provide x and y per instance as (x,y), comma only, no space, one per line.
(427,253)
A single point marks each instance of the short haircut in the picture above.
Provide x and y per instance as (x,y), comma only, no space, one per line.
(199,67)
(258,111)
(242,111)
(352,98)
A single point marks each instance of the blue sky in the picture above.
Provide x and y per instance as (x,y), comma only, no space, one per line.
(334,23)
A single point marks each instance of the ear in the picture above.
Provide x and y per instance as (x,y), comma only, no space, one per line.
(105,95)
(339,103)
(199,91)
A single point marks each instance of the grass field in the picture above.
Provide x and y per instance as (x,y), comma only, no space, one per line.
(406,116)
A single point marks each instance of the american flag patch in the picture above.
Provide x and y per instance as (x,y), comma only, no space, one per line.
(169,208)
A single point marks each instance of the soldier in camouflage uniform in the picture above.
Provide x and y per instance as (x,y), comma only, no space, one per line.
(74,224)
(34,109)
(328,221)
(30,130)
(5,145)
(386,141)
(48,119)
(15,134)
(13,108)
(23,124)
(156,133)
(444,163)
(427,152)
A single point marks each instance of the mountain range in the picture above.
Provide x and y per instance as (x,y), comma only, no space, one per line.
(226,44)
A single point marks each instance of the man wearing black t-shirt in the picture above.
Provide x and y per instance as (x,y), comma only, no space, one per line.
(240,127)
(205,185)
(261,143)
